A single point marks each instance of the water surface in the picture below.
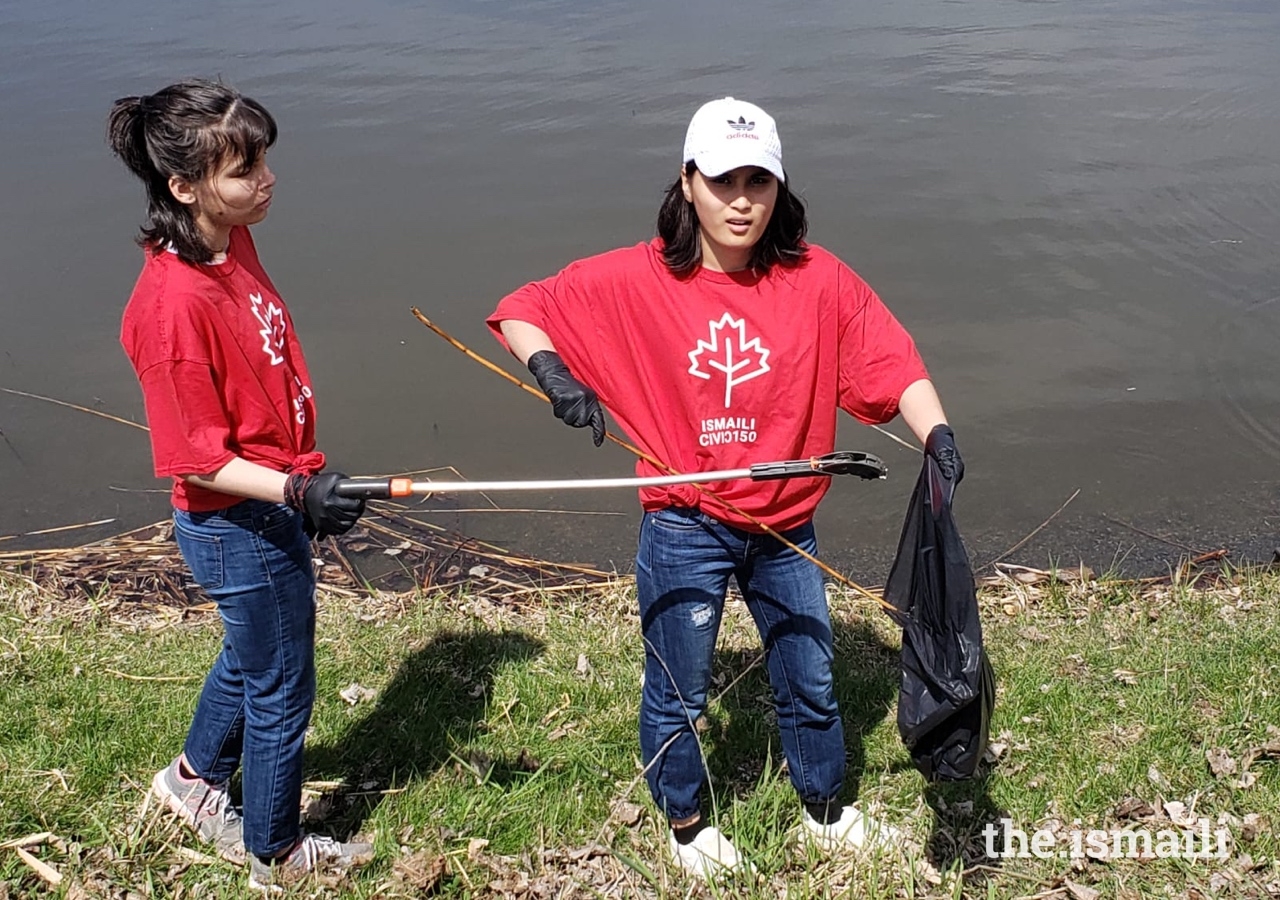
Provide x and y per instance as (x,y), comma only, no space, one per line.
(1073,207)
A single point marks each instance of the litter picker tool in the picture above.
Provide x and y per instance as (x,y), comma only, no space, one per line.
(841,462)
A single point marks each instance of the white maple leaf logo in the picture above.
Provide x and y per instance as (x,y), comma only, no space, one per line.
(271,318)
(729,352)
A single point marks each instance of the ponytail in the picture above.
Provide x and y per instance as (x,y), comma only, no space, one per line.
(188,130)
(127,136)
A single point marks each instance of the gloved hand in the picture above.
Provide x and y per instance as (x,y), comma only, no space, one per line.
(941,445)
(324,512)
(572,401)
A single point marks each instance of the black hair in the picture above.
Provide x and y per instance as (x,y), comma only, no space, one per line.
(782,242)
(188,129)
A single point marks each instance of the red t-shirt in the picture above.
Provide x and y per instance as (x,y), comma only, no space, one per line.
(221,369)
(721,371)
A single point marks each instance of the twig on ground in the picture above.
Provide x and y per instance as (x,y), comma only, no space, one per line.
(196,856)
(47,872)
(152,677)
(31,840)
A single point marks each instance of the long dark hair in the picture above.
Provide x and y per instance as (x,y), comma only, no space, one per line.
(188,129)
(782,242)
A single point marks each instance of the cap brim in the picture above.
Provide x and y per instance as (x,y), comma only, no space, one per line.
(713,165)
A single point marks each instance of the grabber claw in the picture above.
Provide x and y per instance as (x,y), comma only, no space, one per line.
(839,462)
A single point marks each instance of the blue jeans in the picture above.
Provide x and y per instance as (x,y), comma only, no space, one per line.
(255,562)
(683,567)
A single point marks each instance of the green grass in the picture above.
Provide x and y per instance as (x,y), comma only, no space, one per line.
(488,746)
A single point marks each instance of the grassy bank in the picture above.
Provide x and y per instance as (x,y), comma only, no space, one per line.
(494,751)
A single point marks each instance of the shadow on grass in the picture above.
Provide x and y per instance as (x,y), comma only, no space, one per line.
(962,811)
(429,710)
(867,675)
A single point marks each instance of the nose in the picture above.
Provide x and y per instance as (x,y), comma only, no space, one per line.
(268,178)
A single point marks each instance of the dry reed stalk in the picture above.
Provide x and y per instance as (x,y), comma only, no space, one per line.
(142,570)
(83,409)
(46,872)
(43,531)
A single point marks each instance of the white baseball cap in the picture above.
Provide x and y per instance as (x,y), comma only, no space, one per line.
(725,134)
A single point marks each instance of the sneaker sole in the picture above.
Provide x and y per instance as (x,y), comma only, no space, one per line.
(256,885)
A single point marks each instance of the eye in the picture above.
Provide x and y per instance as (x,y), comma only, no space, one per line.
(761,178)
(245,171)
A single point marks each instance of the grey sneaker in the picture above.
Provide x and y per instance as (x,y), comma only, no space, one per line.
(313,853)
(204,808)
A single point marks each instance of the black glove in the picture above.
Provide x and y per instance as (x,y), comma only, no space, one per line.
(324,512)
(941,445)
(572,401)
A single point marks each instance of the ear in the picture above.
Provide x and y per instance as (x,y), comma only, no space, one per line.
(183,191)
(685,185)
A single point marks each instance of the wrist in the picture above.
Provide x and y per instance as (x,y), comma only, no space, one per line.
(295,489)
(543,360)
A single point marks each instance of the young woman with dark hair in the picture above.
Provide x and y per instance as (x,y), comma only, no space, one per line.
(782,242)
(232,416)
(724,342)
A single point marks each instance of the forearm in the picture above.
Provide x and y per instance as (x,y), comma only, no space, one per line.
(921,409)
(525,339)
(242,478)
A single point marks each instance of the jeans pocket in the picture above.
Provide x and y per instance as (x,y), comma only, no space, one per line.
(203,553)
(678,518)
(279,520)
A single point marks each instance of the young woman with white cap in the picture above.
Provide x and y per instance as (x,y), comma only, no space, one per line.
(725,341)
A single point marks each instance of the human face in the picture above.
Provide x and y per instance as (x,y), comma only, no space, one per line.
(733,210)
(232,195)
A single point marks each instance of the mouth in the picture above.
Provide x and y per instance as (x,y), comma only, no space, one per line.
(739,226)
(265,203)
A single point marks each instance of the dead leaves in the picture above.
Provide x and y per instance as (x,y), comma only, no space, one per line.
(564,728)
(1222,765)
(421,872)
(1019,588)
(1080,891)
(589,871)
(627,813)
(355,693)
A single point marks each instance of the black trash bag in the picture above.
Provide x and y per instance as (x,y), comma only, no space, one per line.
(948,688)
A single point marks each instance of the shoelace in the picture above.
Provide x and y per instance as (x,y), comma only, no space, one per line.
(315,847)
(217,802)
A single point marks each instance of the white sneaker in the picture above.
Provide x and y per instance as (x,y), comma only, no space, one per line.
(709,855)
(852,830)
